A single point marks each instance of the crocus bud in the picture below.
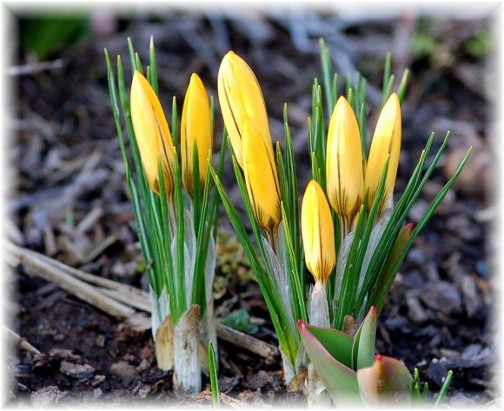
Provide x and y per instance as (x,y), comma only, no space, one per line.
(241,101)
(344,164)
(152,133)
(318,233)
(386,143)
(261,177)
(196,130)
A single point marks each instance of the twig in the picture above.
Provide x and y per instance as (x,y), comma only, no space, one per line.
(22,342)
(34,68)
(37,264)
(133,299)
(228,401)
(132,292)
(246,341)
(112,297)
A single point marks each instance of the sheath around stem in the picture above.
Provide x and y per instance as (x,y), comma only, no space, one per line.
(319,316)
(187,368)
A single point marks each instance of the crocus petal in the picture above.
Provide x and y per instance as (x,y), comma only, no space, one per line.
(317,232)
(240,97)
(261,177)
(196,128)
(344,164)
(152,133)
(386,142)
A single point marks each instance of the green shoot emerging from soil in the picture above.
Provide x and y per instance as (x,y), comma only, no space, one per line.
(175,210)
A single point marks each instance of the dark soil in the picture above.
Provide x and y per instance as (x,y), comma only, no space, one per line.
(66,166)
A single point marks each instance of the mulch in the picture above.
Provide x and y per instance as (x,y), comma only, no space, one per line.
(68,200)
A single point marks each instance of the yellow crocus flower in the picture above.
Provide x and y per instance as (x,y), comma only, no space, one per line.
(152,133)
(344,163)
(317,232)
(261,177)
(196,128)
(240,99)
(386,143)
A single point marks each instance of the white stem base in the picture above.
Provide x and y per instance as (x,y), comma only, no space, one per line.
(187,368)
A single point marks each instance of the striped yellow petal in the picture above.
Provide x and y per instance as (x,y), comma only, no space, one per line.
(261,177)
(196,129)
(318,232)
(344,163)
(152,133)
(386,142)
(240,97)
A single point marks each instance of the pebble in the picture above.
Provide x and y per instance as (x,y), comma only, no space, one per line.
(259,380)
(76,370)
(418,210)
(460,400)
(441,296)
(144,391)
(46,396)
(469,295)
(415,310)
(123,369)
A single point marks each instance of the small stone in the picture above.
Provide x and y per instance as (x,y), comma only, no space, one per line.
(415,255)
(100,341)
(259,380)
(123,369)
(97,393)
(469,295)
(415,310)
(76,370)
(441,296)
(144,364)
(463,228)
(97,380)
(46,396)
(144,391)
(437,371)
(460,400)
(418,210)
(477,177)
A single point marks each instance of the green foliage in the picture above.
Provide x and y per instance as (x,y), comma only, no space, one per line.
(240,320)
(212,370)
(479,44)
(368,273)
(165,229)
(352,374)
(423,43)
(44,35)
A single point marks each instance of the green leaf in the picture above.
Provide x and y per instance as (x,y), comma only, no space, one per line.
(288,343)
(339,379)
(444,388)
(212,370)
(363,349)
(240,320)
(336,342)
(46,34)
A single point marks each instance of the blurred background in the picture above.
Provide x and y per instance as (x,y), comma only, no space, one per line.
(67,196)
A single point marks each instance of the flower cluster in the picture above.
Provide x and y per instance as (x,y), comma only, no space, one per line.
(348,231)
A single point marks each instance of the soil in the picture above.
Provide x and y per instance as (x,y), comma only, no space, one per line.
(66,167)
